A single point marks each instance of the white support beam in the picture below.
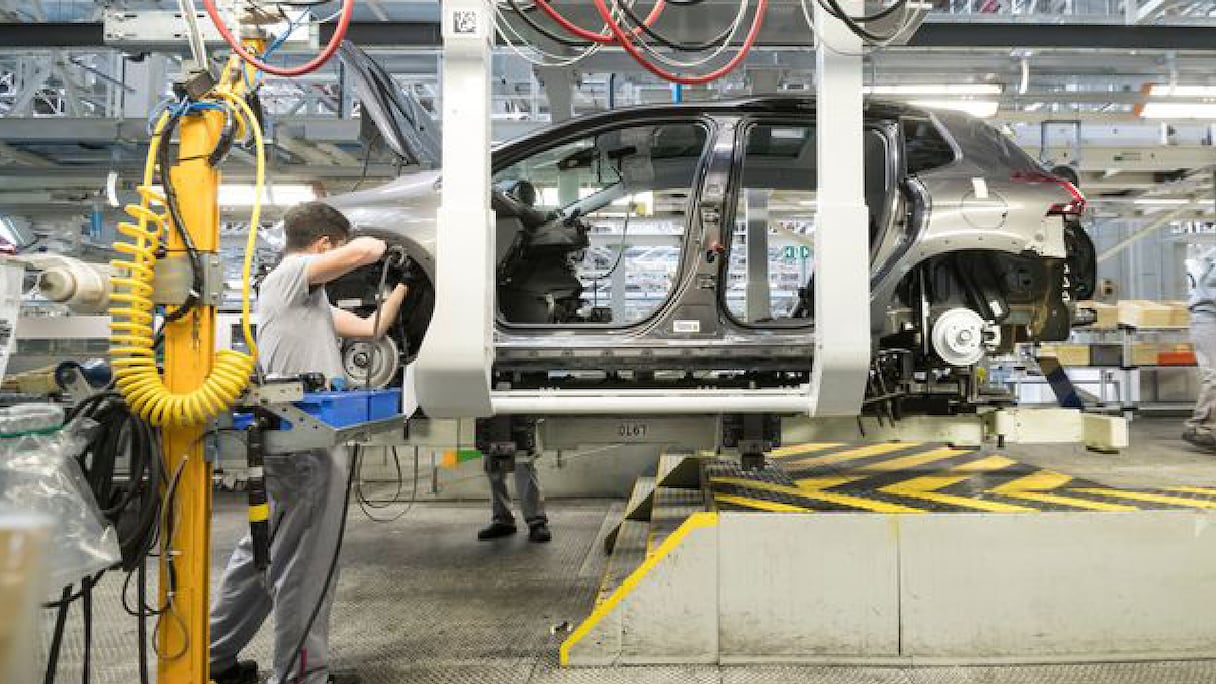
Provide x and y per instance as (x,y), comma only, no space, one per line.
(453,367)
(842,256)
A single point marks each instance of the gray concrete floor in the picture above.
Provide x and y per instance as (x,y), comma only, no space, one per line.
(420,600)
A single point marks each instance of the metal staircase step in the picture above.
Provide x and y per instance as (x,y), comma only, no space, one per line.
(638,509)
(679,469)
(628,553)
(672,506)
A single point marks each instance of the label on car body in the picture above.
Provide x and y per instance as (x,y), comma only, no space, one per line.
(686,326)
(980,186)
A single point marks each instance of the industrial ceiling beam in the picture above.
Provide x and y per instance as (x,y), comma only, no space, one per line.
(790,32)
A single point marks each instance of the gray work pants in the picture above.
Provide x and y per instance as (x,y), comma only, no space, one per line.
(527,488)
(306,491)
(1203,337)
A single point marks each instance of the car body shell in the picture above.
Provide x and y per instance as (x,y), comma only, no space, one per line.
(987,195)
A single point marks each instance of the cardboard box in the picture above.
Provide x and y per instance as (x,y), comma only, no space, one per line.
(1067,354)
(1107,315)
(1144,354)
(1141,313)
(1180,314)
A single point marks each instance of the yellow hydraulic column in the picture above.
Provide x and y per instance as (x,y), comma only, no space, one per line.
(183,639)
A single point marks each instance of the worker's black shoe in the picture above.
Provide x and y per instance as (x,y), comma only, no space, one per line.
(1202,440)
(496,530)
(244,672)
(539,533)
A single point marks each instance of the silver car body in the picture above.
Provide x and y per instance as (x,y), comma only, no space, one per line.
(986,195)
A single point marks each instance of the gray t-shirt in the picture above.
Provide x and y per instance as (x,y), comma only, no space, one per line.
(296,323)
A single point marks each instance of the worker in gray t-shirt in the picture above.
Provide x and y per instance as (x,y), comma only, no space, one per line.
(1200,428)
(298,333)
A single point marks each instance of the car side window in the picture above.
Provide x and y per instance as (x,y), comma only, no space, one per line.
(615,208)
(773,236)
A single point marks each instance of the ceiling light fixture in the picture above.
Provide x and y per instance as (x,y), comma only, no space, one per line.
(976,99)
(984,109)
(942,89)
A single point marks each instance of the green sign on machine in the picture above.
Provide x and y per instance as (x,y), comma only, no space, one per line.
(792,252)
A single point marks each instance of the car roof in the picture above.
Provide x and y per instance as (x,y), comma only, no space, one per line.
(776,104)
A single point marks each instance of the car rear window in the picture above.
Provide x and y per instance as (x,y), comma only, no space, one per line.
(925,146)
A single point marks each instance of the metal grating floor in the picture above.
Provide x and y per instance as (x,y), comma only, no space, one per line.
(422,601)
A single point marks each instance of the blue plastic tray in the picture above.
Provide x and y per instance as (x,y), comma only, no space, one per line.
(340,409)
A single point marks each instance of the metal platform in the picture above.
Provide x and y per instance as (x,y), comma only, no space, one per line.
(929,556)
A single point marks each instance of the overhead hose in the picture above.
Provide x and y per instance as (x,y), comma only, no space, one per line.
(132,339)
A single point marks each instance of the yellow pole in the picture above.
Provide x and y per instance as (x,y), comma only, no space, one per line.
(189,343)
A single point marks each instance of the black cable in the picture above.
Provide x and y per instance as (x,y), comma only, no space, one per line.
(365,504)
(298,651)
(142,624)
(620,253)
(854,23)
(179,224)
(87,609)
(52,660)
(522,13)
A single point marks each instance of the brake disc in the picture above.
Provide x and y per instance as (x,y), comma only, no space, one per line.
(370,363)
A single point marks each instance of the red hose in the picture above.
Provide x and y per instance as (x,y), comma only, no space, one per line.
(623,39)
(588,35)
(348,8)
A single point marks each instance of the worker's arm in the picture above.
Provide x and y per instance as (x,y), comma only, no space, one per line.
(350,326)
(337,262)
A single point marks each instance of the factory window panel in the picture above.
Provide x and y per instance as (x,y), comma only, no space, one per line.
(591,231)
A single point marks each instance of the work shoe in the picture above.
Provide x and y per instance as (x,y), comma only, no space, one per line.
(345,677)
(539,533)
(1202,440)
(496,530)
(244,672)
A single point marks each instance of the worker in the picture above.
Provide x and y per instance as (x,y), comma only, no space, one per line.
(298,332)
(527,487)
(1200,429)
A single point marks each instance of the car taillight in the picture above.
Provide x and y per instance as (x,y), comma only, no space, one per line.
(1073,207)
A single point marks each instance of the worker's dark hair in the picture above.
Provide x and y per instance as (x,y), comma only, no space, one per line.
(305,223)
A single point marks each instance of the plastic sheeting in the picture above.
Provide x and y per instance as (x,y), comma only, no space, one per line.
(40,474)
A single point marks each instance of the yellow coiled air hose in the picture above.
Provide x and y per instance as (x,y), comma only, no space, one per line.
(132,339)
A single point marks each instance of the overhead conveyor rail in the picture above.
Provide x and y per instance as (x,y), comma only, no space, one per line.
(713,563)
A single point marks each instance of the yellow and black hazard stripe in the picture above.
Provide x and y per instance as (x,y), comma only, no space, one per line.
(908,477)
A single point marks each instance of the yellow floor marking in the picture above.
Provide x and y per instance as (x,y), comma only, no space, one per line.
(814,483)
(796,449)
(828,497)
(913,460)
(849,455)
(760,504)
(1036,481)
(694,522)
(922,488)
(1148,497)
(1043,497)
(994,462)
(1196,490)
